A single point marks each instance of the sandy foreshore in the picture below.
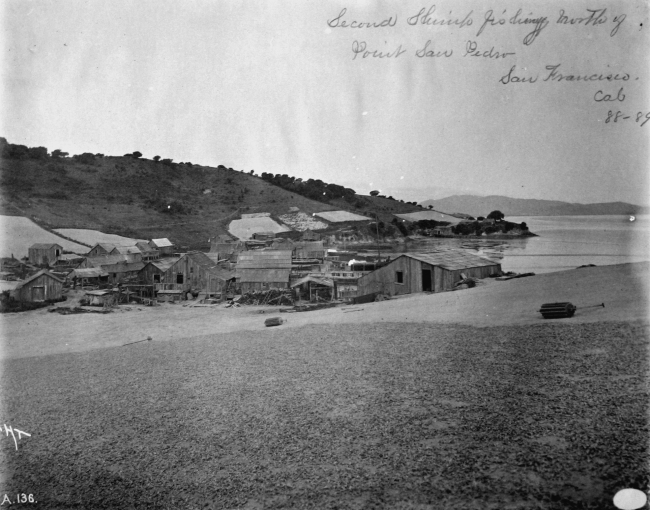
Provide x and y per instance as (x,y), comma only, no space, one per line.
(622,288)
(466,399)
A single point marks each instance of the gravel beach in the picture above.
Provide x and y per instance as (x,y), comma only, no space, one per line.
(397,415)
(328,411)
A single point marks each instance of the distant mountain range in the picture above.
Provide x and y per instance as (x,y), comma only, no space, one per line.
(482,206)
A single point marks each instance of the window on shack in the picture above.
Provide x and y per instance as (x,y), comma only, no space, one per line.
(156,278)
(399,276)
(179,278)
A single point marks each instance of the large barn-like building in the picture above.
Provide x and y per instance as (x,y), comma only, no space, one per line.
(44,253)
(426,272)
(263,270)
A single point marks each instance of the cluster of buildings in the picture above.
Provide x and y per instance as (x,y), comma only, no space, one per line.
(155,269)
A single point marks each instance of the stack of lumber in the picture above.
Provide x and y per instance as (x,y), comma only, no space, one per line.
(267,297)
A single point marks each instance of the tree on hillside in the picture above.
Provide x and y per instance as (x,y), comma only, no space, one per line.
(37,153)
(136,154)
(156,158)
(430,207)
(480,218)
(58,153)
(87,158)
(374,193)
(496,216)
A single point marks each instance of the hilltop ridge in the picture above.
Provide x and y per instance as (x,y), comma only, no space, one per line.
(143,198)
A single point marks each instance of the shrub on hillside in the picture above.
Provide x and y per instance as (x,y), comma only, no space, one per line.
(58,153)
(37,153)
(87,158)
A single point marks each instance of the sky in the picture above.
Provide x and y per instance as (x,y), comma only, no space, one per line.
(276,86)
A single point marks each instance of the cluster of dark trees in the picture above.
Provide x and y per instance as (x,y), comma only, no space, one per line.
(311,188)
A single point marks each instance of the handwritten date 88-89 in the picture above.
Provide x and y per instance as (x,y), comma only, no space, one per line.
(619,115)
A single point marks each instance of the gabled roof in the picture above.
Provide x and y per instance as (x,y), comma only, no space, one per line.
(264,259)
(107,246)
(127,250)
(208,261)
(44,246)
(144,247)
(163,264)
(451,260)
(162,243)
(43,272)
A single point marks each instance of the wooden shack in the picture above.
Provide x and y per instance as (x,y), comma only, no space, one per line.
(90,276)
(148,253)
(226,247)
(197,272)
(310,250)
(122,271)
(101,297)
(44,253)
(154,271)
(426,272)
(263,270)
(163,245)
(43,286)
(132,253)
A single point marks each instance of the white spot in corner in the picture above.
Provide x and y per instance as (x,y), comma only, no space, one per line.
(632,218)
(364,113)
(328,30)
(630,499)
(402,177)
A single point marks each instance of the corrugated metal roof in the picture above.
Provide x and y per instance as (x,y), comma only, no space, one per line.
(310,245)
(452,260)
(262,275)
(123,267)
(44,246)
(161,243)
(70,256)
(105,260)
(89,272)
(259,259)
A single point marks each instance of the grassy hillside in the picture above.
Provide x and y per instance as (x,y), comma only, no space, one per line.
(142,198)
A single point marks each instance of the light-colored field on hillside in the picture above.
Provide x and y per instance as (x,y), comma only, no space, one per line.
(17,234)
(340,216)
(301,221)
(245,228)
(93,237)
(430,215)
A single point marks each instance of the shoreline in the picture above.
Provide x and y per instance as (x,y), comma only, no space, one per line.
(621,287)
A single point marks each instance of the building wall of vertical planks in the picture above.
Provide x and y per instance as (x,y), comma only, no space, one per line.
(557,310)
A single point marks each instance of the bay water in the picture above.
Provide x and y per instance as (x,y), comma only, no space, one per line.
(563,242)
